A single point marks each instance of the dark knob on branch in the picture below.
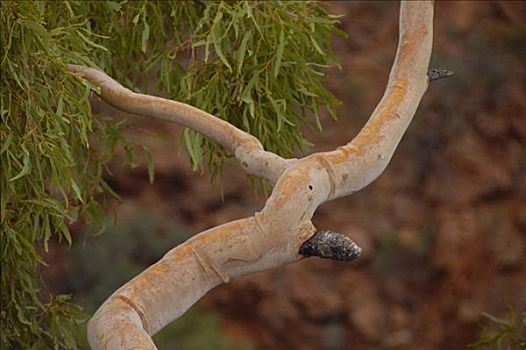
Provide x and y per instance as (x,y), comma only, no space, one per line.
(331,245)
(438,73)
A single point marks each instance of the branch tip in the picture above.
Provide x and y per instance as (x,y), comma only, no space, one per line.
(438,73)
(331,245)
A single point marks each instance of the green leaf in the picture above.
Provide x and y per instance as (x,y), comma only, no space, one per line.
(497,320)
(76,189)
(279,54)
(221,55)
(114,5)
(145,36)
(316,46)
(89,41)
(149,164)
(136,18)
(60,107)
(26,168)
(242,50)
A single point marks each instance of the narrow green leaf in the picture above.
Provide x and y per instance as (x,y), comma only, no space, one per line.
(26,168)
(6,144)
(242,50)
(145,36)
(279,54)
(221,55)
(136,18)
(76,189)
(316,46)
(114,5)
(89,41)
(60,106)
(248,9)
(500,321)
(149,164)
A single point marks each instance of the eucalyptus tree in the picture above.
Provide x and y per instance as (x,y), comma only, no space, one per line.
(242,77)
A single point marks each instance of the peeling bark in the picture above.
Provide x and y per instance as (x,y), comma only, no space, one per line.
(282,231)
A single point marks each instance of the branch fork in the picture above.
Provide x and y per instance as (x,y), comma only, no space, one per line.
(282,232)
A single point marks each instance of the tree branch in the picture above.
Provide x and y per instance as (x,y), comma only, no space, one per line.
(282,231)
(357,164)
(246,148)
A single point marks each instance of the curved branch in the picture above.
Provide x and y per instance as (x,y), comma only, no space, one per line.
(282,231)
(361,161)
(164,291)
(246,148)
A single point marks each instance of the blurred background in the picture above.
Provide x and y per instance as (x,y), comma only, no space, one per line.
(443,229)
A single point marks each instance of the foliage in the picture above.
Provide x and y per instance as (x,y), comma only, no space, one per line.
(256,64)
(503,333)
(50,173)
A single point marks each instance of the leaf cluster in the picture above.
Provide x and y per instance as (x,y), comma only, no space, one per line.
(502,333)
(258,65)
(50,173)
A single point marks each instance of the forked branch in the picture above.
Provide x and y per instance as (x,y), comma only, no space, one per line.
(282,231)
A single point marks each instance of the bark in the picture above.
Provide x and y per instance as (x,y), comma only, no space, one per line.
(275,235)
